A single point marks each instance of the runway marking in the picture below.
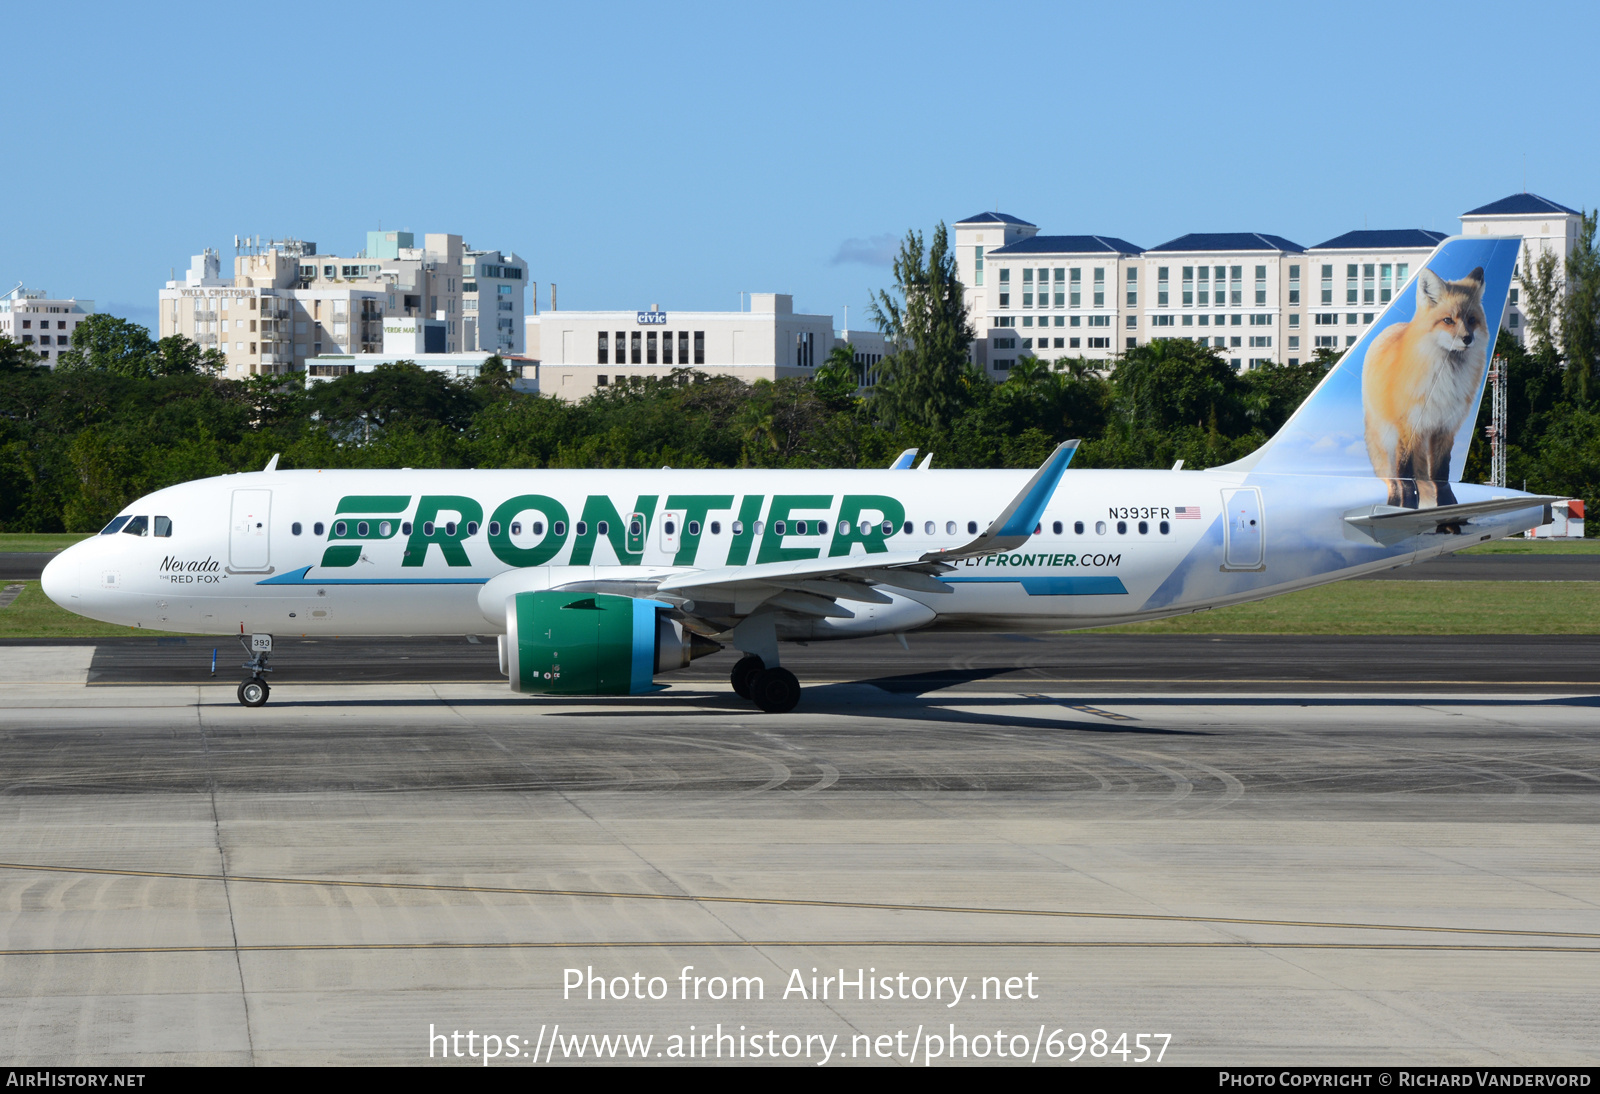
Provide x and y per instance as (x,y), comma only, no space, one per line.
(291,947)
(945,909)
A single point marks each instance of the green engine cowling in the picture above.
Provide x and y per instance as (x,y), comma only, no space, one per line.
(581,643)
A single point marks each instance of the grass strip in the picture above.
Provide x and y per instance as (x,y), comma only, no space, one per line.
(1402,607)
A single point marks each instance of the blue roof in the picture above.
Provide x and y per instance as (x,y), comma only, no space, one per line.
(1519,203)
(1068,245)
(1383,239)
(996,218)
(1229,241)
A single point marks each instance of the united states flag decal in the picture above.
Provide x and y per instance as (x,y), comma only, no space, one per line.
(1186,512)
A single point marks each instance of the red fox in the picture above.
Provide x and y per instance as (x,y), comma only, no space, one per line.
(1420,383)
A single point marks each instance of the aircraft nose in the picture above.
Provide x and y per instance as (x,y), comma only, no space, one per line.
(60,577)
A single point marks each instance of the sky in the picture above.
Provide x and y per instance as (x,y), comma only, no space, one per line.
(682,155)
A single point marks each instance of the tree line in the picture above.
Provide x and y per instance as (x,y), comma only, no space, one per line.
(123,414)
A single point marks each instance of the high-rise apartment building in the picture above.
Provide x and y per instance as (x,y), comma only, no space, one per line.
(286,303)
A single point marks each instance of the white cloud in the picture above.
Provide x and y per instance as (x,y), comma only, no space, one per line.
(877,251)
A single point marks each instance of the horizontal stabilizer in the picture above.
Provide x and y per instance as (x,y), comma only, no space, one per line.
(1391,524)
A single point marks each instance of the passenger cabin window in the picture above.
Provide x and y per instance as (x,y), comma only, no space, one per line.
(494,528)
(405,528)
(694,528)
(137,526)
(909,527)
(1056,527)
(295,529)
(1099,527)
(738,527)
(472,527)
(115,526)
(1122,527)
(1077,527)
(716,528)
(559,527)
(164,527)
(972,527)
(949,527)
(927,528)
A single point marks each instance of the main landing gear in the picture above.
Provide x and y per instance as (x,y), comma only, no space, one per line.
(774,690)
(254,691)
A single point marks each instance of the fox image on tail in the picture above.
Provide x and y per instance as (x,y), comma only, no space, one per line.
(1420,382)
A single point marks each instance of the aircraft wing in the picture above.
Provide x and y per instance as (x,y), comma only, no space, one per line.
(812,586)
(903,461)
(1390,523)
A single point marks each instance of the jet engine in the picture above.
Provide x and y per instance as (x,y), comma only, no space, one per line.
(586,643)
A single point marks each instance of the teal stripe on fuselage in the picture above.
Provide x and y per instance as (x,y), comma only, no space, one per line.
(298,577)
(1095,585)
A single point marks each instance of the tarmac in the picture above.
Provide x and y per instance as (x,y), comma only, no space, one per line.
(1362,852)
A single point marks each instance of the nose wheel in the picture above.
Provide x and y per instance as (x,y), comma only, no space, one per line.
(253,692)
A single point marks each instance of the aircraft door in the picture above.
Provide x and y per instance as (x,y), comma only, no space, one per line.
(248,537)
(1243,530)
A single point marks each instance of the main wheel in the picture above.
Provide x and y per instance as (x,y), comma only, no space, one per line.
(744,672)
(775,691)
(254,691)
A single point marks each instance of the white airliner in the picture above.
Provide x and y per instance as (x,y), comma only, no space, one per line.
(596,581)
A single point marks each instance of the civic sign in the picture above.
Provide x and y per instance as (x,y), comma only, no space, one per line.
(652,318)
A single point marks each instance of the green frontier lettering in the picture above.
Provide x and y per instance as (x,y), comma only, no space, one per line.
(429,508)
(879,510)
(348,554)
(739,546)
(772,548)
(629,549)
(695,507)
(547,548)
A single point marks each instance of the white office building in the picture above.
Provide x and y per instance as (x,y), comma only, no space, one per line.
(42,322)
(581,351)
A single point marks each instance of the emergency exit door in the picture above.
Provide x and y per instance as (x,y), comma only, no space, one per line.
(1243,530)
(248,537)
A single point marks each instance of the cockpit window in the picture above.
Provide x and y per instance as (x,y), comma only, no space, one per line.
(163,526)
(115,526)
(138,526)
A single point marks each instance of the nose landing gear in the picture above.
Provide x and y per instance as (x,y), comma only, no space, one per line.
(254,691)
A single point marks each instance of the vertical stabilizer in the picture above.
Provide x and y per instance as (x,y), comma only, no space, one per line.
(1401,403)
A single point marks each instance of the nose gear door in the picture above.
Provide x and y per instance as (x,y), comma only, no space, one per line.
(248,535)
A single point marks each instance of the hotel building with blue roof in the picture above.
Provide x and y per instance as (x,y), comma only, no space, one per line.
(1254,297)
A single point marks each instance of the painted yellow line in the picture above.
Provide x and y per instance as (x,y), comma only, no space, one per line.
(314,947)
(945,909)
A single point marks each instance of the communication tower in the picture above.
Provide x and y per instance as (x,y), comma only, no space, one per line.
(1496,429)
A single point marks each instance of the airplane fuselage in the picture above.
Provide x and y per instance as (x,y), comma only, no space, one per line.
(410,552)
